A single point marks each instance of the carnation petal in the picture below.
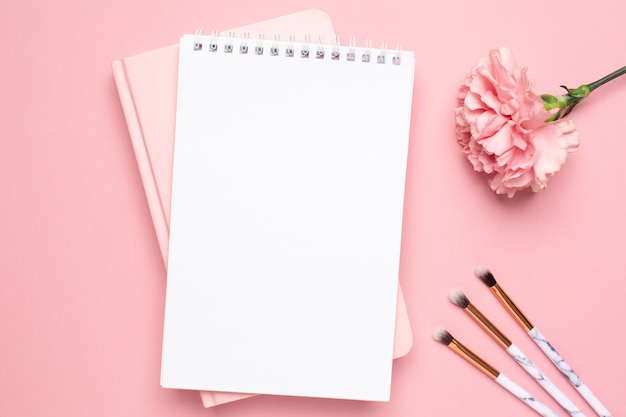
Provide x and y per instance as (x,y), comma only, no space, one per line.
(515,159)
(473,101)
(532,114)
(510,107)
(480,84)
(519,179)
(487,162)
(503,65)
(505,57)
(488,124)
(520,141)
(554,141)
(491,101)
(499,185)
(500,141)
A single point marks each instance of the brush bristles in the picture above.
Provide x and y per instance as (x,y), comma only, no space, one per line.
(485,276)
(458,298)
(442,336)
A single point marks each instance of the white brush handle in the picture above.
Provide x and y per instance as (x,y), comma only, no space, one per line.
(544,381)
(569,373)
(528,399)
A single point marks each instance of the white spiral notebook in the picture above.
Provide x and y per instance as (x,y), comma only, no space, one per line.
(287,199)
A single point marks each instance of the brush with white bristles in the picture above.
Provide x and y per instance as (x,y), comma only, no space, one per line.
(488,279)
(443,336)
(460,299)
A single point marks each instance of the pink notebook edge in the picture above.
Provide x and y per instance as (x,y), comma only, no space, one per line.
(141,155)
(403,334)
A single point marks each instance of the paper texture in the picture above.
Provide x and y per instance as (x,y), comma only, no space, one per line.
(286,220)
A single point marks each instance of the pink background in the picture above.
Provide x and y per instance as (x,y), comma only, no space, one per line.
(82,279)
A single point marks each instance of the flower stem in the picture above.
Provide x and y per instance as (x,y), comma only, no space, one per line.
(604,80)
(566,102)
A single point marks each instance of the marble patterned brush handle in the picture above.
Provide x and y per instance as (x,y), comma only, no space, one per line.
(569,373)
(523,395)
(544,381)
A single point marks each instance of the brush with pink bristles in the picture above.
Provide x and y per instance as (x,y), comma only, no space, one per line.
(488,279)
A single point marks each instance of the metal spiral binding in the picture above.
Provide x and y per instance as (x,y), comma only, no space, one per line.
(213,43)
(366,55)
(335,55)
(197,44)
(243,48)
(319,54)
(351,50)
(396,58)
(336,49)
(258,49)
(289,50)
(304,52)
(228,47)
(275,49)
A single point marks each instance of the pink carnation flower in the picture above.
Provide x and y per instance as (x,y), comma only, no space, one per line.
(501,125)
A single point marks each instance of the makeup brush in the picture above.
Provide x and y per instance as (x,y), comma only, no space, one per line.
(443,336)
(488,279)
(460,299)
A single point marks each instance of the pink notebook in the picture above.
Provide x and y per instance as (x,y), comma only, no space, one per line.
(147,87)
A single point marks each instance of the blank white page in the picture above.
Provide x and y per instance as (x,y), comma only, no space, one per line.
(286,219)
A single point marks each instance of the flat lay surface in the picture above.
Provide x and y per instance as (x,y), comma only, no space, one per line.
(82,280)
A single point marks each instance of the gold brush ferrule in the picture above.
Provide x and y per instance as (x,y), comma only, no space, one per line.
(474,359)
(511,307)
(488,326)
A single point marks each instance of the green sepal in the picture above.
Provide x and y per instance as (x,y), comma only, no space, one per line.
(580,92)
